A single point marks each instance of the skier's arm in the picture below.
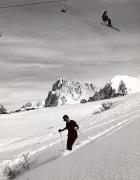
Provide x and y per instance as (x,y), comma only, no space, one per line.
(64,129)
(60,130)
(76,126)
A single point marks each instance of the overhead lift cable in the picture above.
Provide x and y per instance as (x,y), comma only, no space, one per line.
(31,4)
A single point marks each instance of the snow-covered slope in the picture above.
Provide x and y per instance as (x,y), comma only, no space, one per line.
(113,156)
(132,83)
(68,92)
(35,134)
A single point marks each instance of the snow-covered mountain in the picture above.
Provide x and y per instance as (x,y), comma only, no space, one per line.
(71,92)
(68,92)
(132,83)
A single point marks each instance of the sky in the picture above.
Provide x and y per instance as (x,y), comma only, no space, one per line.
(39,45)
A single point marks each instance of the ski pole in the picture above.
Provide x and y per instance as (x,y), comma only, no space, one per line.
(62,141)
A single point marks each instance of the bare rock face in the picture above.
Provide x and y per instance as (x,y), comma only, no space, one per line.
(68,92)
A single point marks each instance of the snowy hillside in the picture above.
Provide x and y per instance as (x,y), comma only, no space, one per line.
(68,92)
(33,138)
(111,149)
(132,83)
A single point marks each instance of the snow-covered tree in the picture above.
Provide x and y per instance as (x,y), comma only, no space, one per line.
(104,93)
(108,91)
(2,109)
(122,90)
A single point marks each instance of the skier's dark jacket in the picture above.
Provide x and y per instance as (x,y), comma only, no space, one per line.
(105,17)
(70,126)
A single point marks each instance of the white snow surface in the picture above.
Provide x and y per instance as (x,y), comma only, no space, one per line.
(132,83)
(35,134)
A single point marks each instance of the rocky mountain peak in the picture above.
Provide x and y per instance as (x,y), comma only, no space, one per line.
(68,92)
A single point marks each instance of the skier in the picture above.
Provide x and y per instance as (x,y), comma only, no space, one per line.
(72,128)
(63,10)
(105,18)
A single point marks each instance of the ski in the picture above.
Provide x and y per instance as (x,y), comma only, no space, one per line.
(112,27)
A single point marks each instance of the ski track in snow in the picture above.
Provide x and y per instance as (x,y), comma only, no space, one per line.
(105,123)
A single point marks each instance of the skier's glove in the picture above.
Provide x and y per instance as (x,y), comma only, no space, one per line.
(59,130)
(76,128)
